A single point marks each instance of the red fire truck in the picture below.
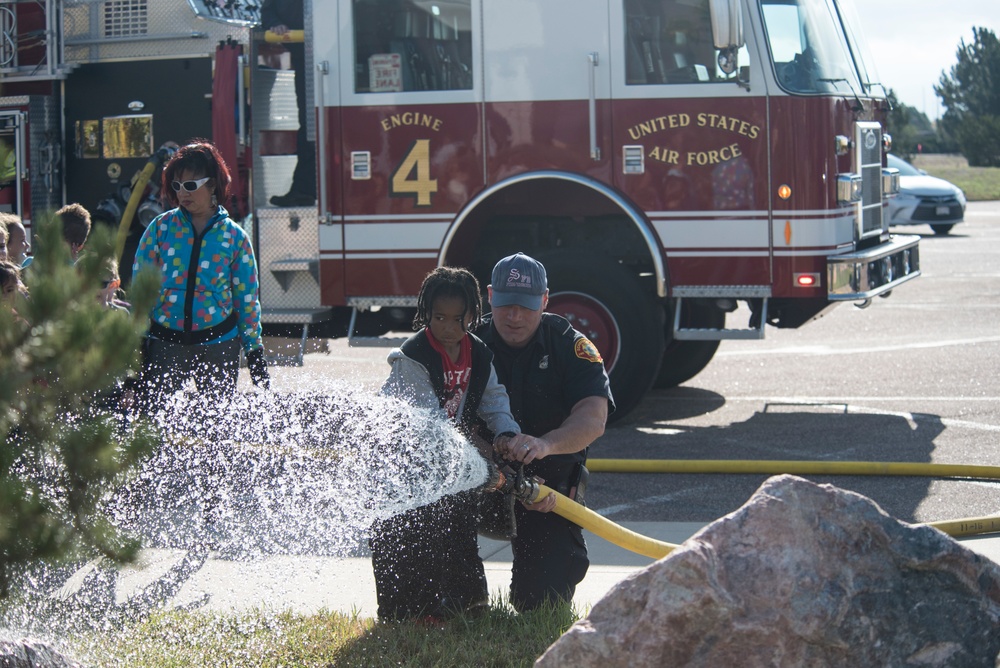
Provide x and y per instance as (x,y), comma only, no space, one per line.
(671,162)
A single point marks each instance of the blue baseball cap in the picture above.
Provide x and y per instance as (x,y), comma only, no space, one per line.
(519,280)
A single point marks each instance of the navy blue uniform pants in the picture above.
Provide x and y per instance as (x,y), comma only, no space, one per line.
(550,559)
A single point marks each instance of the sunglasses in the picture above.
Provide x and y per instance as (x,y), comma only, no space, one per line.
(189,186)
(115,283)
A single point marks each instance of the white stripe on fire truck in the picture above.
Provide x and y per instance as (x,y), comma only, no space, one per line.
(724,214)
(705,233)
(753,232)
(401,217)
(331,238)
(715,253)
(391,256)
(373,236)
(348,255)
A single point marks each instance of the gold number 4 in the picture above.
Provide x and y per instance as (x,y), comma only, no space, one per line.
(413,176)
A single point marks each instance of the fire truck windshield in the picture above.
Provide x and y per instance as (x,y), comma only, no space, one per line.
(859,48)
(809,47)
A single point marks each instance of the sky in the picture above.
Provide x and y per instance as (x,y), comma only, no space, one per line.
(914,41)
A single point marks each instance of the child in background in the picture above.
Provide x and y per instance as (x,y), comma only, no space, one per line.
(10,283)
(75,229)
(17,238)
(426,561)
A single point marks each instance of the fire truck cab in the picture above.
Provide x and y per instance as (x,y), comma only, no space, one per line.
(667,160)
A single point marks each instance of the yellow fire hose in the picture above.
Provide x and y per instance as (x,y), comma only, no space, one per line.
(656,549)
(292,36)
(970,526)
(138,190)
(774,467)
(649,547)
(605,528)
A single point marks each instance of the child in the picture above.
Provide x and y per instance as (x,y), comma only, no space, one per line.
(76,227)
(75,230)
(10,283)
(17,238)
(426,561)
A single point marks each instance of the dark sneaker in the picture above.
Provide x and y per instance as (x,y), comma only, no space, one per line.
(430,622)
(293,198)
(477,609)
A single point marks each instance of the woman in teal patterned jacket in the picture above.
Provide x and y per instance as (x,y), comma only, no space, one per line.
(208,307)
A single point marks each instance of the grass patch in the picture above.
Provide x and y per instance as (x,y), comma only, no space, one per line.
(498,639)
(978,183)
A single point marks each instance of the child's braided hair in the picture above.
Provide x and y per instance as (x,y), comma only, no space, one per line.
(449,282)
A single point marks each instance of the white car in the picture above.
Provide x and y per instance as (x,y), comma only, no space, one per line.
(924,200)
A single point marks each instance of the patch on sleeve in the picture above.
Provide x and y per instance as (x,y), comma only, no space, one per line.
(586,350)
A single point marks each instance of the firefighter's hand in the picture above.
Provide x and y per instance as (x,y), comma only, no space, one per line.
(279,29)
(548,504)
(258,369)
(526,449)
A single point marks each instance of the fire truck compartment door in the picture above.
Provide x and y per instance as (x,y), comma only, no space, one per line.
(551,60)
(410,143)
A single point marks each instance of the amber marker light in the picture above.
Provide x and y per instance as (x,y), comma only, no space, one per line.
(784,191)
(805,280)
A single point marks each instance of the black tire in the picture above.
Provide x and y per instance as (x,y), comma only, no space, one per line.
(683,360)
(942,230)
(607,303)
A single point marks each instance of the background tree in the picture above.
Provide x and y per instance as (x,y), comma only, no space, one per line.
(971,96)
(62,356)
(910,128)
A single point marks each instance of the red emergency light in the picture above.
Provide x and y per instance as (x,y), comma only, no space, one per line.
(805,280)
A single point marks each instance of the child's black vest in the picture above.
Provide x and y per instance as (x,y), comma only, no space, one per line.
(419,349)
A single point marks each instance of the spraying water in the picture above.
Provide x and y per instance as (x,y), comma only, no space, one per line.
(260,474)
(302,473)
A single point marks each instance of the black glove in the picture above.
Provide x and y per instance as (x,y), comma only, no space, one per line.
(258,369)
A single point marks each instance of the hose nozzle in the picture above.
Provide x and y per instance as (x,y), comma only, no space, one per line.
(507,481)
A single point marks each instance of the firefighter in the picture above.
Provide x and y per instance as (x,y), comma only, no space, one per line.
(280,16)
(560,394)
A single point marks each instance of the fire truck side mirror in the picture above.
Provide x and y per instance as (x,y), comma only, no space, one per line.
(727,24)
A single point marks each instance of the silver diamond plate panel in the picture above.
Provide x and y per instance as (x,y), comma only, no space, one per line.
(288,257)
(130,29)
(46,155)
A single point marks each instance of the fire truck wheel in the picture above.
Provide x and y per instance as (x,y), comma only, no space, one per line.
(606,302)
(683,360)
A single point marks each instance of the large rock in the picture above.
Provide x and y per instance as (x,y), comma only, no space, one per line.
(802,575)
(29,653)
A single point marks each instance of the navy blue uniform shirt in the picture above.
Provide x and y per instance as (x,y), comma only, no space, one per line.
(545,379)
